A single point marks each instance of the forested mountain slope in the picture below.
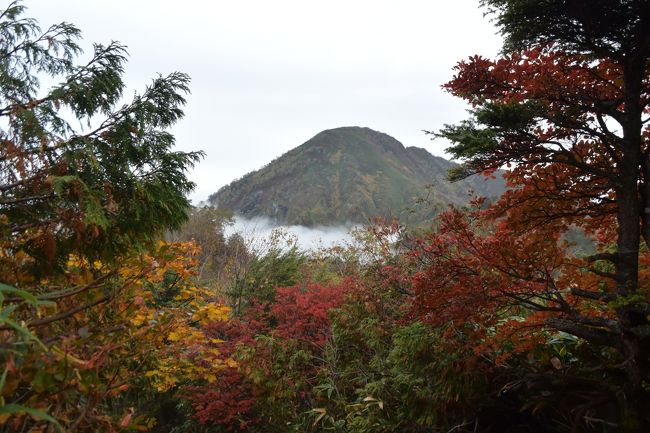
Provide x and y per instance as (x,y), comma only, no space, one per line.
(348,175)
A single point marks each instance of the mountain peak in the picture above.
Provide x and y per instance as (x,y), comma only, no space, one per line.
(343,137)
(348,175)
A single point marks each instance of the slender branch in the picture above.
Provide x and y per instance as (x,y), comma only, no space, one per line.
(594,335)
(605,297)
(24,199)
(68,293)
(65,314)
(23,227)
(610,257)
(603,274)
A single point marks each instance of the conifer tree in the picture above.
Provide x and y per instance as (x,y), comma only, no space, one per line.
(88,181)
(98,190)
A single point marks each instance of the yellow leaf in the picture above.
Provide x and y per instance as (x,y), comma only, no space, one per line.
(556,363)
(4,417)
(322,411)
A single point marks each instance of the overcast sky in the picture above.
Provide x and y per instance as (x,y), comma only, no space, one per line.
(267,75)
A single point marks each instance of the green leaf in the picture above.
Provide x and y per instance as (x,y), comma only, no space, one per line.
(3,378)
(22,330)
(4,288)
(18,409)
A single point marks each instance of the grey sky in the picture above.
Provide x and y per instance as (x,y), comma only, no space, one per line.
(269,75)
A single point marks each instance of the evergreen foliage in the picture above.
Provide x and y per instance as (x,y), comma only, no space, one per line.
(100,190)
(80,209)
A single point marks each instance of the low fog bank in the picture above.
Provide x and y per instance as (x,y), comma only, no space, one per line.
(261,230)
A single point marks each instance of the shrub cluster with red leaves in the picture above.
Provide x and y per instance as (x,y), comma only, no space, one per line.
(297,320)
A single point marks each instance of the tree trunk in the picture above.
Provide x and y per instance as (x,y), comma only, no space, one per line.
(645,198)
(629,218)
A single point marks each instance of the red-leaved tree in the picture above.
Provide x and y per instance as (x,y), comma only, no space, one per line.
(565,111)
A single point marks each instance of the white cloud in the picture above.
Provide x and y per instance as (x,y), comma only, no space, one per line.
(258,231)
(269,75)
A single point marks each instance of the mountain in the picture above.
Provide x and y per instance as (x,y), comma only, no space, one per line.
(348,175)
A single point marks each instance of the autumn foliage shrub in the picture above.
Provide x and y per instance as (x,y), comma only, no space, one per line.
(94,369)
(346,358)
(81,210)
(277,345)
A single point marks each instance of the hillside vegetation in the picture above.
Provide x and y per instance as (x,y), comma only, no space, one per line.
(489,320)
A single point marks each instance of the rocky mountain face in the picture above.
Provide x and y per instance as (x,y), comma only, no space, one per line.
(350,175)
